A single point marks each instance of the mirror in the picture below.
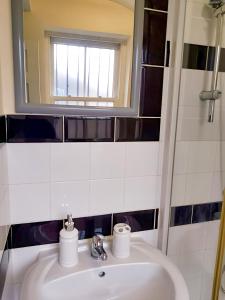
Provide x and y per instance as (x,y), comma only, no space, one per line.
(77,55)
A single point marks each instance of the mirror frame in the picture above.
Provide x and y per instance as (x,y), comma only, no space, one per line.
(19,72)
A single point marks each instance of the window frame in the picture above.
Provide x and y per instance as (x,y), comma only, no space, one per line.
(21,104)
(86,40)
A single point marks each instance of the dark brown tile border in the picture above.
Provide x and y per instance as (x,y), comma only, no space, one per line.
(157,4)
(84,129)
(151,92)
(154,38)
(202,57)
(34,129)
(56,129)
(40,233)
(2,129)
(138,220)
(137,129)
(197,213)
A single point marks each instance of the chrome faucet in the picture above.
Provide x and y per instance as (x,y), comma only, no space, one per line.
(97,249)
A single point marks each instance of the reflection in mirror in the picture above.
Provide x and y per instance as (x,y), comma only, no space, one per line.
(78,52)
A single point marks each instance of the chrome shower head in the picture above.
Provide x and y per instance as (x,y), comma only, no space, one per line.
(216,3)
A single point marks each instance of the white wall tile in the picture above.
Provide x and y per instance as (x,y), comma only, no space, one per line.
(198,188)
(222,160)
(28,163)
(70,161)
(193,124)
(149,236)
(186,238)
(192,263)
(198,80)
(179,190)
(106,196)
(193,248)
(217,187)
(181,157)
(199,24)
(218,159)
(141,193)
(206,288)
(3,164)
(201,157)
(141,159)
(209,261)
(208,272)
(69,197)
(4,205)
(29,202)
(196,157)
(212,233)
(107,160)
(194,284)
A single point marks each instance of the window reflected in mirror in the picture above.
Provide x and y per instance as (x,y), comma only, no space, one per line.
(78,52)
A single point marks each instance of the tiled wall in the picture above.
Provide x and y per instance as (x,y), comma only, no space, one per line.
(198,177)
(102,170)
(4,205)
(48,180)
(56,166)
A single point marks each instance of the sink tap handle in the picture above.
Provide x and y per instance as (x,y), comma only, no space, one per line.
(98,240)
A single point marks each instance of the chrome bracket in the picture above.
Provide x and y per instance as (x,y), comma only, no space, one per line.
(210,95)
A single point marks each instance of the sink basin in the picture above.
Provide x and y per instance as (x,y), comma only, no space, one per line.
(146,275)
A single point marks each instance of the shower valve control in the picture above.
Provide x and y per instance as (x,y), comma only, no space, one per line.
(210,95)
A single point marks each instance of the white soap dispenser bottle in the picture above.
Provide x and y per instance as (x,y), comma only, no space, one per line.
(68,244)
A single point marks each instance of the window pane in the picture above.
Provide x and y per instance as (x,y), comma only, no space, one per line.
(60,70)
(76,57)
(83,71)
(106,73)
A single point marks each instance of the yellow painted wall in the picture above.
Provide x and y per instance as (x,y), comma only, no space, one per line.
(88,15)
(92,15)
(6,61)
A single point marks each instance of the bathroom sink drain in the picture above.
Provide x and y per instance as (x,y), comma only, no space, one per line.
(101,274)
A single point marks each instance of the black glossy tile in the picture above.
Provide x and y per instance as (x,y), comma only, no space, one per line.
(154,38)
(138,220)
(137,129)
(3,269)
(40,233)
(88,226)
(156,218)
(201,213)
(151,91)
(157,4)
(222,60)
(215,211)
(181,215)
(82,129)
(32,234)
(211,58)
(34,129)
(2,129)
(167,63)
(194,57)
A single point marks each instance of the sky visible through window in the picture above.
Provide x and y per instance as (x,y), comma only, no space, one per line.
(83,71)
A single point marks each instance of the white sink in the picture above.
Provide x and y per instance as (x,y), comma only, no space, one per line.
(146,275)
